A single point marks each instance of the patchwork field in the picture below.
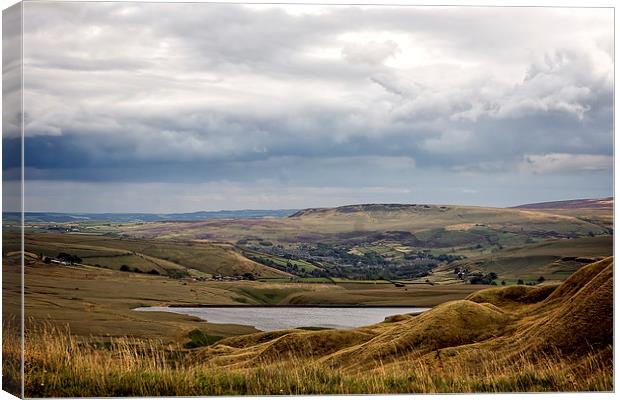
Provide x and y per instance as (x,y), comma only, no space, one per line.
(196,259)
(553,259)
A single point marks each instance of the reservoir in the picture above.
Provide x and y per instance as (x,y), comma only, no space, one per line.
(276,318)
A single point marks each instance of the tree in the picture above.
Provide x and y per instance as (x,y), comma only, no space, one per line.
(520,282)
(503,283)
(249,276)
(124,268)
(541,279)
(492,276)
(70,258)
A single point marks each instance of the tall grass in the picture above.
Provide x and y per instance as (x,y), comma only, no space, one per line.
(11,356)
(57,364)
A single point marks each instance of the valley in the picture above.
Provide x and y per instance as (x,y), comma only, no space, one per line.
(394,243)
(491,277)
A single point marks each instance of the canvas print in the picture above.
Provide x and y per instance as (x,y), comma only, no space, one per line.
(207,199)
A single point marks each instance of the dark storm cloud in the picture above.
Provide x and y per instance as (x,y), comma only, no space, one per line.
(315,96)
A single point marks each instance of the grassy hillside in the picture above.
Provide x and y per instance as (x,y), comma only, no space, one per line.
(605,203)
(556,338)
(99,301)
(584,300)
(442,225)
(165,257)
(554,259)
(364,242)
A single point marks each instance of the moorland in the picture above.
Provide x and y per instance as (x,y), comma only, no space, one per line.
(521,300)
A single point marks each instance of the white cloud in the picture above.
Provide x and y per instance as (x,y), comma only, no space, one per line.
(373,53)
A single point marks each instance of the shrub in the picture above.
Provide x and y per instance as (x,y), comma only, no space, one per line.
(70,258)
(488,279)
(249,276)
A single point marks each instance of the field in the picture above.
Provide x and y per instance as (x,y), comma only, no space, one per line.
(398,242)
(548,338)
(168,258)
(521,302)
(553,259)
(99,302)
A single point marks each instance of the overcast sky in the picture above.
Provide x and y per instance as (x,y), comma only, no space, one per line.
(181,107)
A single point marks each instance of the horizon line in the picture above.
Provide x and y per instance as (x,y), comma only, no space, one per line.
(299,209)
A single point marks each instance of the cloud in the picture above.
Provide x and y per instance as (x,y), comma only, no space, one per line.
(373,53)
(191,92)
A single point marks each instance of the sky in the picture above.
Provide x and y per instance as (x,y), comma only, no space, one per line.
(171,107)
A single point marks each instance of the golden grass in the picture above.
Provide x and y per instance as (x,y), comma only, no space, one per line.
(562,342)
(58,365)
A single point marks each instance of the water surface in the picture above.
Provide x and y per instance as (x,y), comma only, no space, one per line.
(275,318)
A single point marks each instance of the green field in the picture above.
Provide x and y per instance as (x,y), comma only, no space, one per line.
(194,259)
(281,261)
(550,259)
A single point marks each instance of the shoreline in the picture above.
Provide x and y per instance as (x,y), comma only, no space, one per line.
(291,306)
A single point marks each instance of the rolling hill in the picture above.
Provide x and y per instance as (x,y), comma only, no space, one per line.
(167,258)
(572,320)
(552,259)
(431,226)
(604,203)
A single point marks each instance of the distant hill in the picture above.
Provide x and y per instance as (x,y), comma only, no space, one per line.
(605,203)
(362,208)
(144,217)
(413,225)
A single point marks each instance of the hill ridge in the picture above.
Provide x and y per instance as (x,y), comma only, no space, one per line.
(368,207)
(604,203)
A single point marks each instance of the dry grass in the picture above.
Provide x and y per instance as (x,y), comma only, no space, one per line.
(58,365)
(562,341)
